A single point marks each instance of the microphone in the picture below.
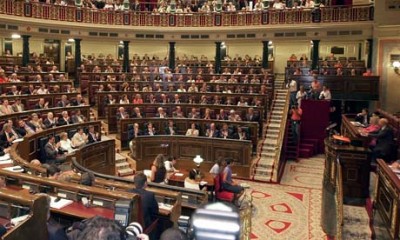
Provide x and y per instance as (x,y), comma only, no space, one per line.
(331,126)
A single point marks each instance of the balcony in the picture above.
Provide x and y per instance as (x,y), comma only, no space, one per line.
(270,17)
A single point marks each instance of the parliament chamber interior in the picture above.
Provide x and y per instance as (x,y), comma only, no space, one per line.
(247,119)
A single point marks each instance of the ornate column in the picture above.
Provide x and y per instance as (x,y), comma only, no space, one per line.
(217,57)
(125,64)
(25,50)
(315,55)
(171,58)
(265,54)
(370,50)
(77,57)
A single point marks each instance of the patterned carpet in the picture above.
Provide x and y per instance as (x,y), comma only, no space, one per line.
(290,210)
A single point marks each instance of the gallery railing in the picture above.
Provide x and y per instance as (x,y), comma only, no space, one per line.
(332,14)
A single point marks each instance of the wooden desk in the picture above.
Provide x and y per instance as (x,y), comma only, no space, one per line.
(176,180)
(146,148)
(387,202)
(35,224)
(356,166)
(349,130)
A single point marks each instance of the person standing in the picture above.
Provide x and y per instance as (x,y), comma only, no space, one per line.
(296,113)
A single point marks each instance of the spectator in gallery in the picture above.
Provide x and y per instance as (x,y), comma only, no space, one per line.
(78,117)
(178,113)
(65,143)
(240,134)
(225,132)
(368,73)
(64,120)
(137,113)
(315,88)
(50,120)
(222,115)
(93,136)
(207,114)
(194,114)
(25,128)
(325,93)
(292,85)
(124,99)
(37,122)
(158,170)
(6,108)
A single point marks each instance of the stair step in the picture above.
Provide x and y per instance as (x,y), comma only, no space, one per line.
(125,172)
(122,165)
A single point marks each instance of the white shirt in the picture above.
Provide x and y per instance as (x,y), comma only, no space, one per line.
(326,95)
(190,185)
(215,169)
(67,145)
(293,86)
(169,166)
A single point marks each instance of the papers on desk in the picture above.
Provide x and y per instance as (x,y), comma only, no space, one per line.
(147,173)
(59,204)
(14,169)
(9,161)
(179,174)
(18,140)
(357,124)
(5,157)
(18,220)
(165,206)
(202,183)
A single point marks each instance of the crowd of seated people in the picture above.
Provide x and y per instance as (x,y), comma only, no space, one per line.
(224,131)
(186,7)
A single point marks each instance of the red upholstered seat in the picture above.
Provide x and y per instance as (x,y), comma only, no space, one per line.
(220,194)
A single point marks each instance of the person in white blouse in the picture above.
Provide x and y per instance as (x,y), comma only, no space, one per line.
(65,143)
(325,94)
(190,181)
(217,167)
(80,138)
(278,5)
(192,131)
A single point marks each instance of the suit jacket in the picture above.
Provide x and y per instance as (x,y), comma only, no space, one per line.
(76,103)
(134,115)
(51,152)
(92,138)
(49,124)
(119,116)
(194,116)
(149,205)
(75,118)
(252,118)
(131,134)
(214,135)
(3,140)
(62,104)
(384,140)
(220,117)
(56,231)
(14,107)
(37,106)
(168,131)
(22,131)
(61,121)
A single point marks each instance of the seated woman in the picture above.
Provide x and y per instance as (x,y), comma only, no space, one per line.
(373,127)
(65,143)
(216,168)
(190,182)
(158,170)
(227,182)
(37,122)
(192,131)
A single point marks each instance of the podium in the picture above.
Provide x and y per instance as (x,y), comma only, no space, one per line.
(355,163)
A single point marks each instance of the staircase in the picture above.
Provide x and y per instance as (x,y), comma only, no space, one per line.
(122,166)
(266,167)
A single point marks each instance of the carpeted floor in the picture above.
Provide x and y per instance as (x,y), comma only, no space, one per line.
(290,210)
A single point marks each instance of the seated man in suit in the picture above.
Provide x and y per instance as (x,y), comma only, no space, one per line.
(42,104)
(64,120)
(50,121)
(18,106)
(79,101)
(384,141)
(150,130)
(161,113)
(25,128)
(178,113)
(63,102)
(6,136)
(251,116)
(194,114)
(222,115)
(225,132)
(92,135)
(170,129)
(52,149)
(212,131)
(78,117)
(149,202)
(240,134)
(363,117)
(137,113)
(122,114)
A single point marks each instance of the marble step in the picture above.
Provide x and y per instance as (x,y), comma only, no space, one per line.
(271,141)
(125,172)
(122,165)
